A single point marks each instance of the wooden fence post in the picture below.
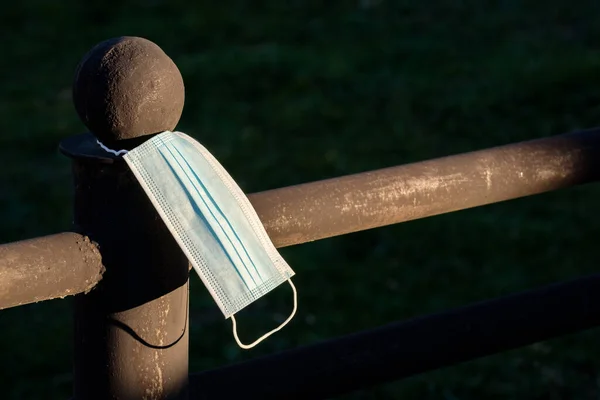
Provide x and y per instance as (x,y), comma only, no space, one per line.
(131,331)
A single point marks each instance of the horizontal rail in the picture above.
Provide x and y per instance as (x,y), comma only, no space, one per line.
(46,268)
(399,350)
(351,203)
(59,265)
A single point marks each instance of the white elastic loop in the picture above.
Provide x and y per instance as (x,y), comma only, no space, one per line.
(115,152)
(266,335)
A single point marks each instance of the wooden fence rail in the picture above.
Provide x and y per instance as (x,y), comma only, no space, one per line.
(316,210)
(47,268)
(406,348)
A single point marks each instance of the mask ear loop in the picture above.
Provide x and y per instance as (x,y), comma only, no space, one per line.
(266,335)
(115,152)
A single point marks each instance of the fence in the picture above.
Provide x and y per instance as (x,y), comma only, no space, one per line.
(131,278)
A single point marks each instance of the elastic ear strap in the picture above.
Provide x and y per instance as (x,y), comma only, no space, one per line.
(115,152)
(266,335)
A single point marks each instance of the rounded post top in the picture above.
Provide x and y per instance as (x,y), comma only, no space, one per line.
(125,88)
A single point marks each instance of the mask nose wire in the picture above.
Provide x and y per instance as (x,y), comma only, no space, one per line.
(266,335)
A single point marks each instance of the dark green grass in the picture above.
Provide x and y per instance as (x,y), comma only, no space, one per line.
(290,92)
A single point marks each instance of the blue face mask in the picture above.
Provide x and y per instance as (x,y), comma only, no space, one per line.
(212,220)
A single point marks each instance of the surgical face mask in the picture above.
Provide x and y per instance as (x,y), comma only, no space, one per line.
(212,220)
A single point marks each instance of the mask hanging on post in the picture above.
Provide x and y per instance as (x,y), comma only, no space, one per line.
(212,220)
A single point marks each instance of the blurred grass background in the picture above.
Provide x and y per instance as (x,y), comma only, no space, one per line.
(284,92)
